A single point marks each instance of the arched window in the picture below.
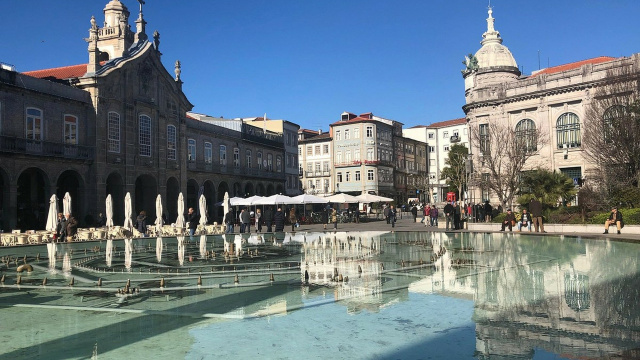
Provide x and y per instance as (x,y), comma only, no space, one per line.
(611,117)
(144,135)
(223,155)
(526,137)
(259,160)
(568,130)
(113,132)
(33,124)
(171,142)
(191,150)
(248,159)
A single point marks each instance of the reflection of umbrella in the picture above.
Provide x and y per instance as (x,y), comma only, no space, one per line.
(181,250)
(180,219)
(225,203)
(66,203)
(109,211)
(108,251)
(159,213)
(203,210)
(342,198)
(128,251)
(52,217)
(128,223)
(159,249)
(203,246)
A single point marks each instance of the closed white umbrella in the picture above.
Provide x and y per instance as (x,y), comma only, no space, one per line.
(128,222)
(159,221)
(226,205)
(202,205)
(180,219)
(66,203)
(52,217)
(109,211)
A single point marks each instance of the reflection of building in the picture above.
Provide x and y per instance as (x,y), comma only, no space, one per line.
(118,124)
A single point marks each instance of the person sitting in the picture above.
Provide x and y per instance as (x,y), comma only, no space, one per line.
(509,220)
(614,218)
(525,220)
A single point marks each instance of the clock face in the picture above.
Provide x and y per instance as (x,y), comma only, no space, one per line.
(264,162)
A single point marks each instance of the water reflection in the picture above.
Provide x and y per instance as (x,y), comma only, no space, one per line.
(108,251)
(128,253)
(181,250)
(159,249)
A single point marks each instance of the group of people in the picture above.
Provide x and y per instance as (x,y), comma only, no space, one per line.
(526,218)
(272,220)
(66,228)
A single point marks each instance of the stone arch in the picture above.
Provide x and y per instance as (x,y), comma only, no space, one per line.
(210,195)
(72,182)
(146,191)
(171,201)
(270,190)
(6,218)
(192,194)
(115,188)
(33,193)
(260,190)
(237,190)
(248,189)
(279,189)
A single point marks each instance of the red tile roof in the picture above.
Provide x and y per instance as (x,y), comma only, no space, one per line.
(440,124)
(573,65)
(64,72)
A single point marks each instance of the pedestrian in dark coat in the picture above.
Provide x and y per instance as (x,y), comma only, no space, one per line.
(72,227)
(487,211)
(229,220)
(293,219)
(278,220)
(325,217)
(449,214)
(535,208)
(141,223)
(268,218)
(509,221)
(245,219)
(414,212)
(457,213)
(393,216)
(61,228)
(386,212)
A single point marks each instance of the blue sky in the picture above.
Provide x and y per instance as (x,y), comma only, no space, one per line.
(307,61)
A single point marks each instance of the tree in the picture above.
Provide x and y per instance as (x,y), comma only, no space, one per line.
(611,137)
(455,171)
(546,186)
(503,154)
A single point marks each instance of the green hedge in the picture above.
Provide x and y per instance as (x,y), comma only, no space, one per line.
(571,215)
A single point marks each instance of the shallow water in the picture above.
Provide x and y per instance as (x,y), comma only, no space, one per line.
(403,295)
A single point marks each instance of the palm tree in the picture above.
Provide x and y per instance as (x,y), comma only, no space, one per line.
(546,186)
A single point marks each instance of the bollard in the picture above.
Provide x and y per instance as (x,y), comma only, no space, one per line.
(162,283)
(99,281)
(19,280)
(236,279)
(359,269)
(271,278)
(128,283)
(44,281)
(199,280)
(73,281)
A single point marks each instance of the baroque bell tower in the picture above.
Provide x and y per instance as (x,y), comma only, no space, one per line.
(115,37)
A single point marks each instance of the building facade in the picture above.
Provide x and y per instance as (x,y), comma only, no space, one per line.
(552,100)
(315,162)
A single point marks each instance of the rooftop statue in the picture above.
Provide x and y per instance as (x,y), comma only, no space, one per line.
(471,63)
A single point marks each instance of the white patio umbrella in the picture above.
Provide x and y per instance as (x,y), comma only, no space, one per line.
(109,211)
(202,205)
(310,199)
(128,222)
(236,201)
(248,201)
(180,219)
(342,198)
(66,203)
(370,198)
(275,199)
(52,217)
(226,205)
(159,220)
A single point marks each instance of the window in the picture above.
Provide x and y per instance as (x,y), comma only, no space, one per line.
(432,135)
(34,124)
(325,149)
(432,162)
(325,166)
(568,130)
(347,134)
(317,150)
(356,133)
(259,160)
(370,175)
(208,153)
(573,172)
(318,165)
(223,155)
(236,157)
(339,177)
(526,137)
(347,156)
(310,185)
(485,145)
(432,149)
(144,135)
(309,166)
(326,185)
(338,135)
(247,160)
(278,163)
(191,150)
(70,130)
(348,176)
(299,150)
(356,154)
(357,175)
(113,133)
(612,117)
(445,134)
(270,162)
(369,131)
(309,150)
(339,157)
(370,154)
(446,148)
(171,140)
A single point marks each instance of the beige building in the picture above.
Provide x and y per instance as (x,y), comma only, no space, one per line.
(553,100)
(316,162)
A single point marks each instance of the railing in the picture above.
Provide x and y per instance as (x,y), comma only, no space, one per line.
(17,145)
(454,138)
(232,170)
(310,174)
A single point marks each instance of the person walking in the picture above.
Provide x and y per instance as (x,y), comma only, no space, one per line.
(334,218)
(268,218)
(258,218)
(229,220)
(193,219)
(393,216)
(71,226)
(535,207)
(386,211)
(448,215)
(246,219)
(141,223)
(509,221)
(241,220)
(292,218)
(278,220)
(414,212)
(433,216)
(457,213)
(325,217)
(101,221)
(488,209)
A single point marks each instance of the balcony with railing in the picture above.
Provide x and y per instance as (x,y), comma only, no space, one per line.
(216,168)
(12,144)
(454,139)
(310,174)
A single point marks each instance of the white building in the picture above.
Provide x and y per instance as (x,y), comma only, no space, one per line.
(439,136)
(315,159)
